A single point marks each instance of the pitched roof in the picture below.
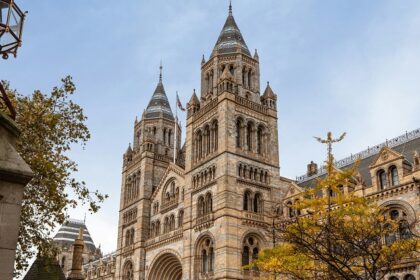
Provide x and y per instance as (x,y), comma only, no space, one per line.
(159,104)
(230,39)
(194,99)
(45,269)
(268,93)
(405,144)
(68,233)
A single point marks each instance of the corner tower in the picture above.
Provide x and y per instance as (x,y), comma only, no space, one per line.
(144,164)
(232,161)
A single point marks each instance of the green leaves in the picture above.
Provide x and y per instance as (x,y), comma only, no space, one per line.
(50,124)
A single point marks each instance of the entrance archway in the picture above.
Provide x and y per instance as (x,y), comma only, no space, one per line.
(166,267)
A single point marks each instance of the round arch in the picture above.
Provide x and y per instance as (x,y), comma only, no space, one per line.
(166,266)
(404,205)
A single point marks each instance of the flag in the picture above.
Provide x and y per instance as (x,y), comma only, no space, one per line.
(179,104)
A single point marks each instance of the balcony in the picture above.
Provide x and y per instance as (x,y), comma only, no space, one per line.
(165,237)
(205,221)
(253,216)
(169,205)
(128,250)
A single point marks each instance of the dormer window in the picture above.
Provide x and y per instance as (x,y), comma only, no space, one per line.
(393,171)
(382,179)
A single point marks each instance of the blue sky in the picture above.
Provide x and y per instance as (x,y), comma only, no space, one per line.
(335,65)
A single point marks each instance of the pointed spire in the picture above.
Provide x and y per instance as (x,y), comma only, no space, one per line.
(256,56)
(203,60)
(194,99)
(129,149)
(230,39)
(159,104)
(268,93)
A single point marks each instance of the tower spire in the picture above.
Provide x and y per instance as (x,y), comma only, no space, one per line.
(230,7)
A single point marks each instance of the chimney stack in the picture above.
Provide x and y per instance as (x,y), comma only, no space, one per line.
(312,169)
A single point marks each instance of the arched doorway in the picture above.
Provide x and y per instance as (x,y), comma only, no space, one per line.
(166,267)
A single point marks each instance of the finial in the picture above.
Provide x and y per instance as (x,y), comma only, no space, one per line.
(193,91)
(160,69)
(203,60)
(268,83)
(230,7)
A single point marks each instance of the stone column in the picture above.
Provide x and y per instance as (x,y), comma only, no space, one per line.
(14,175)
(76,272)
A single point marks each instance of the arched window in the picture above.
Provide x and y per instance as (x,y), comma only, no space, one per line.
(382,179)
(180,218)
(127,237)
(260,139)
(211,259)
(209,204)
(250,250)
(290,209)
(216,135)
(404,230)
(394,175)
(238,132)
(249,137)
(166,225)
(169,137)
(257,203)
(200,145)
(63,261)
(128,271)
(164,136)
(207,140)
(172,223)
(297,210)
(204,259)
(132,236)
(390,237)
(393,278)
(200,206)
(245,256)
(206,256)
(152,230)
(247,198)
(157,228)
(409,277)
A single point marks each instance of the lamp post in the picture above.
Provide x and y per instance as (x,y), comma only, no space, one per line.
(14,172)
(11,26)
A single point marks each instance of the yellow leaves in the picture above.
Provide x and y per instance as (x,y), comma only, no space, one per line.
(339,235)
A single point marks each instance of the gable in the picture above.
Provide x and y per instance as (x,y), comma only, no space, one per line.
(386,155)
(172,173)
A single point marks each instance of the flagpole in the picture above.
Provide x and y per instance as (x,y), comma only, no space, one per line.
(176,123)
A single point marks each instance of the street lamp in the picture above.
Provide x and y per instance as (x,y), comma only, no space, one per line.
(11,25)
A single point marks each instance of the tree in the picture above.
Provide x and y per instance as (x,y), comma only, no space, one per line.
(50,124)
(338,236)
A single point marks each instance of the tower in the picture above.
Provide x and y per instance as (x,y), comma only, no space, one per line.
(64,239)
(144,164)
(232,162)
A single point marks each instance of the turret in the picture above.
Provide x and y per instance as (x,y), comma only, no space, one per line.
(269,98)
(193,105)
